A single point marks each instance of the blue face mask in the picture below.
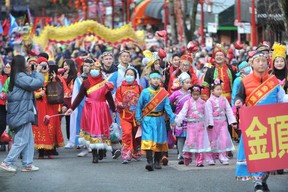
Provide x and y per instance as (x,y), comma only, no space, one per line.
(247,70)
(94,72)
(129,79)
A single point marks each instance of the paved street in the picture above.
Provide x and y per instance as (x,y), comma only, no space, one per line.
(70,173)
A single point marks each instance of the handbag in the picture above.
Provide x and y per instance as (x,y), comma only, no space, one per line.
(55,92)
(5,137)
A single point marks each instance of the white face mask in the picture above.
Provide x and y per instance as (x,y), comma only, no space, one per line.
(94,72)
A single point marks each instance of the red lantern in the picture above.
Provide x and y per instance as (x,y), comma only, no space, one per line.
(161,53)
(192,47)
(161,34)
(238,45)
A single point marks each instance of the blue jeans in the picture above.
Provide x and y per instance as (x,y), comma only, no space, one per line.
(23,142)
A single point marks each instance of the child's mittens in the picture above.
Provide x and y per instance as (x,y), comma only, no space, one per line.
(210,127)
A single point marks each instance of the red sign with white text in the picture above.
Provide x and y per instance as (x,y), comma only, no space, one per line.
(265,136)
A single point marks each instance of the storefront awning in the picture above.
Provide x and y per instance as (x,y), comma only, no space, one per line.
(154,9)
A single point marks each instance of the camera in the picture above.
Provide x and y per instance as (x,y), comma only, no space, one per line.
(44,66)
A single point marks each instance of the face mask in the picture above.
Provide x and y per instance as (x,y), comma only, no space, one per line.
(94,72)
(247,70)
(129,79)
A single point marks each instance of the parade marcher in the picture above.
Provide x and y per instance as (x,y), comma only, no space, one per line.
(244,69)
(109,70)
(126,100)
(217,111)
(280,67)
(47,137)
(69,75)
(185,66)
(5,73)
(152,103)
(96,118)
(247,89)
(125,59)
(22,113)
(75,117)
(175,63)
(197,141)
(153,63)
(178,98)
(220,70)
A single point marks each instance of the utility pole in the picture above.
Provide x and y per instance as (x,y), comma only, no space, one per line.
(253,25)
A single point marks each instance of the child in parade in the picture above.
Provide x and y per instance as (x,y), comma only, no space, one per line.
(152,103)
(244,70)
(197,141)
(96,118)
(178,98)
(126,100)
(216,110)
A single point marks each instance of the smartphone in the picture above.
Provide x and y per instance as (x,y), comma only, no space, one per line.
(53,68)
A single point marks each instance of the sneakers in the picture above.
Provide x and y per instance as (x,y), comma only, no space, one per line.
(225,162)
(265,187)
(258,188)
(116,154)
(30,168)
(211,162)
(125,161)
(69,145)
(8,168)
(181,161)
(83,153)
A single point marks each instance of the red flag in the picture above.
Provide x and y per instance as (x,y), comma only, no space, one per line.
(6,27)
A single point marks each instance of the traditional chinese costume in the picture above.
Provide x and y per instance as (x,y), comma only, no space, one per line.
(197,141)
(270,92)
(126,100)
(217,109)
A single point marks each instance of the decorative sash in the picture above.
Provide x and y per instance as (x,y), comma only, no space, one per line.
(155,101)
(96,87)
(262,91)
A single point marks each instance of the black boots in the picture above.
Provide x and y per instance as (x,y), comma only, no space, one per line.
(149,156)
(157,159)
(101,154)
(95,156)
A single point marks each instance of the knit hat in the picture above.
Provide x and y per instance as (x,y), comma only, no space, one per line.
(278,51)
(183,76)
(30,59)
(186,58)
(242,65)
(219,48)
(42,59)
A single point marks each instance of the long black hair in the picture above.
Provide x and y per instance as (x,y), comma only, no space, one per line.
(17,66)
(72,74)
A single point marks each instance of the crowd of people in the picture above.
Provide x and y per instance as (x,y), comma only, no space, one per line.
(151,96)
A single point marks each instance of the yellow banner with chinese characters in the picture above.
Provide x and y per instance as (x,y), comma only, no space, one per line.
(265,136)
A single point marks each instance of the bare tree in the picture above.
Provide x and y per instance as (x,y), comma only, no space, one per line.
(188,33)
(172,21)
(284,9)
